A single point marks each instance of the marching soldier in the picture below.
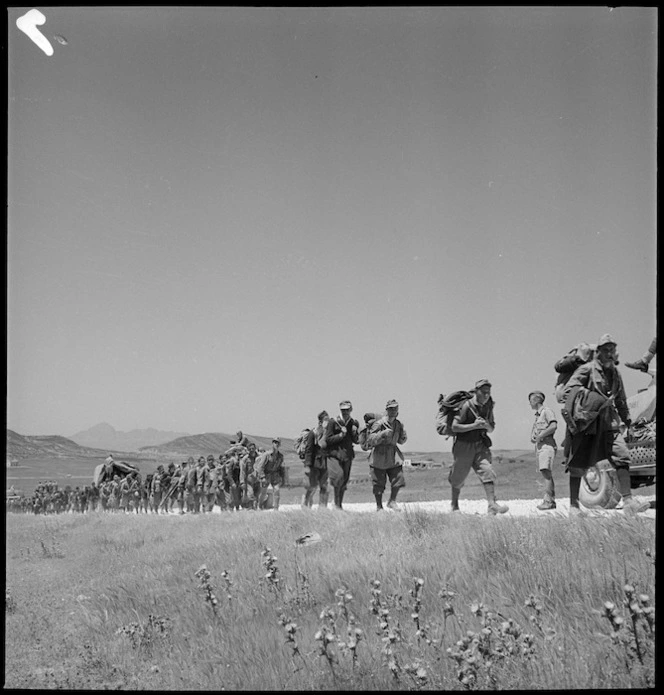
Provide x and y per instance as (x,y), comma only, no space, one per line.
(270,470)
(249,478)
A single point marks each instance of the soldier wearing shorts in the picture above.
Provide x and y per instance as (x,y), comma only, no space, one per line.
(386,460)
(471,448)
(542,437)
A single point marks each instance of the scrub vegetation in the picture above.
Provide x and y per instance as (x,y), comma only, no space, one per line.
(381,601)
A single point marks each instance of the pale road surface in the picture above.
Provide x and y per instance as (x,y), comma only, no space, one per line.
(519,507)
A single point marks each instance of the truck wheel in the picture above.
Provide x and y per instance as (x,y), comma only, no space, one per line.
(599,487)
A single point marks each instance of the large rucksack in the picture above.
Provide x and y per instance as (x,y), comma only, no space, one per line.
(448,407)
(301,442)
(362,438)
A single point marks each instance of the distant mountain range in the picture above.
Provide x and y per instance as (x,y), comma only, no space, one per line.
(105,436)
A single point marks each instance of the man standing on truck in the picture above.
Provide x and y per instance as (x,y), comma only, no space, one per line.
(600,376)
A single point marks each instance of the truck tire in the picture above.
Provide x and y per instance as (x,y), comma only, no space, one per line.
(599,487)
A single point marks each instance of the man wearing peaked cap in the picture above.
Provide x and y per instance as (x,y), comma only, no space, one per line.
(471,449)
(601,377)
(340,435)
(386,459)
(270,471)
(541,436)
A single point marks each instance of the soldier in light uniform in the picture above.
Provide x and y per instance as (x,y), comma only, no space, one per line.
(190,484)
(201,475)
(220,475)
(157,488)
(250,484)
(386,457)
(270,470)
(232,476)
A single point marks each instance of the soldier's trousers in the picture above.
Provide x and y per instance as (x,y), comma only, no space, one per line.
(339,472)
(469,455)
(316,479)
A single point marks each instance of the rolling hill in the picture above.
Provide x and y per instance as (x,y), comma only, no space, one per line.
(47,446)
(210,443)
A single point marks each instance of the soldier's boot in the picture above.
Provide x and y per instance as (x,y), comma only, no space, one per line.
(493,506)
(342,492)
(630,505)
(337,498)
(456,491)
(640,364)
(307,499)
(379,502)
(275,500)
(549,501)
(322,500)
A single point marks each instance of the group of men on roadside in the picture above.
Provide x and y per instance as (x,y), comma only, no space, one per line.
(589,386)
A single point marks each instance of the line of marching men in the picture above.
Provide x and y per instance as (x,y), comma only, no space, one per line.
(239,479)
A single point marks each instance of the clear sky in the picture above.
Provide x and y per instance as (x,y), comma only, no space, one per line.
(224,218)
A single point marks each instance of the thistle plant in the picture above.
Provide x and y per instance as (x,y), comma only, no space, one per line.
(271,570)
(638,635)
(290,628)
(478,654)
(228,584)
(326,636)
(421,629)
(391,635)
(204,577)
(144,635)
(354,633)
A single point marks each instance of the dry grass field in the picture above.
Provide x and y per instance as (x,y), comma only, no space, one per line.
(393,601)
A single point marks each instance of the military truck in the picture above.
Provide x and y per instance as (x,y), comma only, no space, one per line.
(599,486)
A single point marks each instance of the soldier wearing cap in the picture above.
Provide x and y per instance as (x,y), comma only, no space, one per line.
(471,448)
(251,487)
(340,435)
(315,465)
(601,377)
(270,471)
(386,459)
(157,487)
(542,437)
(221,483)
